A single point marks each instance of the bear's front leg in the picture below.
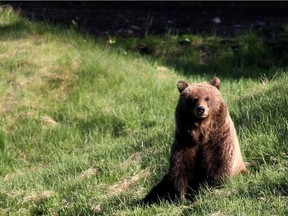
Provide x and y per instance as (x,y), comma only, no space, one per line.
(181,186)
(217,162)
(183,170)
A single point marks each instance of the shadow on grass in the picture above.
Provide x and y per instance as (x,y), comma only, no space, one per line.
(278,187)
(14,31)
(248,55)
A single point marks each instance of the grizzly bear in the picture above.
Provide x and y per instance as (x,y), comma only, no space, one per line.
(205,147)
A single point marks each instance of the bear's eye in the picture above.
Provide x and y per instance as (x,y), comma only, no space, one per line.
(207,99)
(194,100)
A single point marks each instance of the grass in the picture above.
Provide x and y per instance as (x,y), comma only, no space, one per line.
(86,125)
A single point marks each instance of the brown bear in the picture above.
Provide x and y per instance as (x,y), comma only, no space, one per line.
(205,148)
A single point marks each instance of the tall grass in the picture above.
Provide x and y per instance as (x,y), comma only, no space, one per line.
(86,128)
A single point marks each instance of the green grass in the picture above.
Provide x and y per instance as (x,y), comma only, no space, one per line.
(86,126)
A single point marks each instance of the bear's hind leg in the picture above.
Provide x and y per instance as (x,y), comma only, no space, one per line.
(164,190)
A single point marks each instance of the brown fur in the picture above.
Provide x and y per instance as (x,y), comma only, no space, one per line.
(205,147)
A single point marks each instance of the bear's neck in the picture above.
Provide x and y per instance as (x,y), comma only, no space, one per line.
(197,131)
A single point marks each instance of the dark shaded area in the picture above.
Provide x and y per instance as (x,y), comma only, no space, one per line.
(142,18)
(135,23)
(14,31)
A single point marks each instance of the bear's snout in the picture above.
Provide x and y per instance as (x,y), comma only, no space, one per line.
(201,112)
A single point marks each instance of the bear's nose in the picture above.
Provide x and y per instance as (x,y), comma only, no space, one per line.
(200,110)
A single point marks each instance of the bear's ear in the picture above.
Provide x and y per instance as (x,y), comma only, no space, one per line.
(181,85)
(216,82)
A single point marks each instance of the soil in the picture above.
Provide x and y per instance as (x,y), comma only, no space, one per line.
(137,19)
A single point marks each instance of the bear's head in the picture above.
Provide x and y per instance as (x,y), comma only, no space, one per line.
(200,100)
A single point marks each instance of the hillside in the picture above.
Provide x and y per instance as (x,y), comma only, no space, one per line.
(87,123)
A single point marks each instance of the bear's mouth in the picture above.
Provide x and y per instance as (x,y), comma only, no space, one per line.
(201,112)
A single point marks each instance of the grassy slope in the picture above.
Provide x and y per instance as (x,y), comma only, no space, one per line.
(86,128)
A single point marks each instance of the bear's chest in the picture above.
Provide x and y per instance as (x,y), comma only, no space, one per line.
(198,135)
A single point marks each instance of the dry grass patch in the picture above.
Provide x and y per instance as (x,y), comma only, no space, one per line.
(48,121)
(88,173)
(134,159)
(38,196)
(126,184)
